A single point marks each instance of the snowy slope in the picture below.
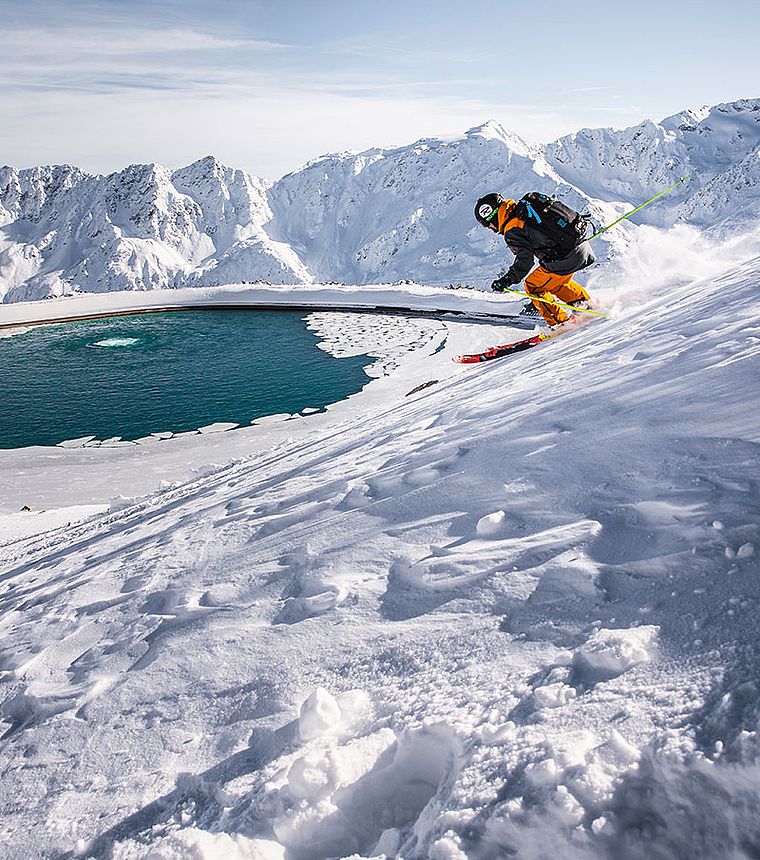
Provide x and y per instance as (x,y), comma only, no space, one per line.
(514,614)
(375,217)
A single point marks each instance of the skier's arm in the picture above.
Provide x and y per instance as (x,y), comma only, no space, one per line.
(519,245)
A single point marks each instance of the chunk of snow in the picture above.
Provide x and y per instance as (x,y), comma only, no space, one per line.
(272,419)
(572,749)
(566,807)
(195,844)
(491,523)
(297,609)
(545,772)
(323,771)
(447,848)
(608,653)
(218,427)
(553,695)
(624,751)
(75,443)
(355,709)
(117,341)
(320,713)
(496,735)
(745,550)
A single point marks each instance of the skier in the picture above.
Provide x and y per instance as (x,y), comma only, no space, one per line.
(561,251)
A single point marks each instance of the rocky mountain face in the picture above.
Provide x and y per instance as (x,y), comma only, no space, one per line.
(715,147)
(385,215)
(142,228)
(376,216)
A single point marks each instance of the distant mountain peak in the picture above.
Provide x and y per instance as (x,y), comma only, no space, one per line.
(209,164)
(489,128)
(742,110)
(494,130)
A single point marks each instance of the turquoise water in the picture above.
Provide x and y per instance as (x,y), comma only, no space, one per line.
(131,376)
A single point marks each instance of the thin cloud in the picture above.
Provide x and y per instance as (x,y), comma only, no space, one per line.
(102,60)
(589,89)
(23,43)
(370,49)
(268,131)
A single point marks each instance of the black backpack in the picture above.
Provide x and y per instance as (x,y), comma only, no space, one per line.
(565,227)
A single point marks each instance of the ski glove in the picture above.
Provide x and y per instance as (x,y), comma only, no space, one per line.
(502,284)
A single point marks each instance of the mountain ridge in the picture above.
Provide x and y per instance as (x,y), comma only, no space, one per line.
(381,215)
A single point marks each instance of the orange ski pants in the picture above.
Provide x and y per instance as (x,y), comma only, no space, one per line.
(547,285)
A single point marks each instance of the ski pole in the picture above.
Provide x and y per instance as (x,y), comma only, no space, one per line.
(628,215)
(556,302)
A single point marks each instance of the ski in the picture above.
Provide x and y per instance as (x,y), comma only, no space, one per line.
(505,349)
(520,345)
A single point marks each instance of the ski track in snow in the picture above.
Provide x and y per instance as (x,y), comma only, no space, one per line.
(514,614)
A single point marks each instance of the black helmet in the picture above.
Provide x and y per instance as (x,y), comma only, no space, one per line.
(487,207)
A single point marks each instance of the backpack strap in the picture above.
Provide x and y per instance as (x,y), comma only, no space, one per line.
(532,213)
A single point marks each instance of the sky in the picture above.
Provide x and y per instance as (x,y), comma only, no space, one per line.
(267,86)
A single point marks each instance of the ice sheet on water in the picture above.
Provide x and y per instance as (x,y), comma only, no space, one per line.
(116,342)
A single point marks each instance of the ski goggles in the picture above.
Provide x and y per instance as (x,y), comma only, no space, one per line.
(487,217)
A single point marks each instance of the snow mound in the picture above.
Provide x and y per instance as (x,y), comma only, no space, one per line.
(195,844)
(320,713)
(608,653)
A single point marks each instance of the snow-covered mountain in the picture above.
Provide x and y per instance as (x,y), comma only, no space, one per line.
(730,198)
(385,215)
(377,216)
(713,146)
(142,228)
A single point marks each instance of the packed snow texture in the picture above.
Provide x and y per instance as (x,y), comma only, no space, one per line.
(375,217)
(513,613)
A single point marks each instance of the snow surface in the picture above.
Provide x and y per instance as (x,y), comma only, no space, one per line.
(514,613)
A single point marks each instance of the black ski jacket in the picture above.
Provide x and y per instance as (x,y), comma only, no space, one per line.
(527,243)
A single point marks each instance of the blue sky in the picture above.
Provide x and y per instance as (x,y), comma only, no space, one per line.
(267,85)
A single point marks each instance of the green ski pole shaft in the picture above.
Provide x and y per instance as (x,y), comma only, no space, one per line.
(628,214)
(556,302)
